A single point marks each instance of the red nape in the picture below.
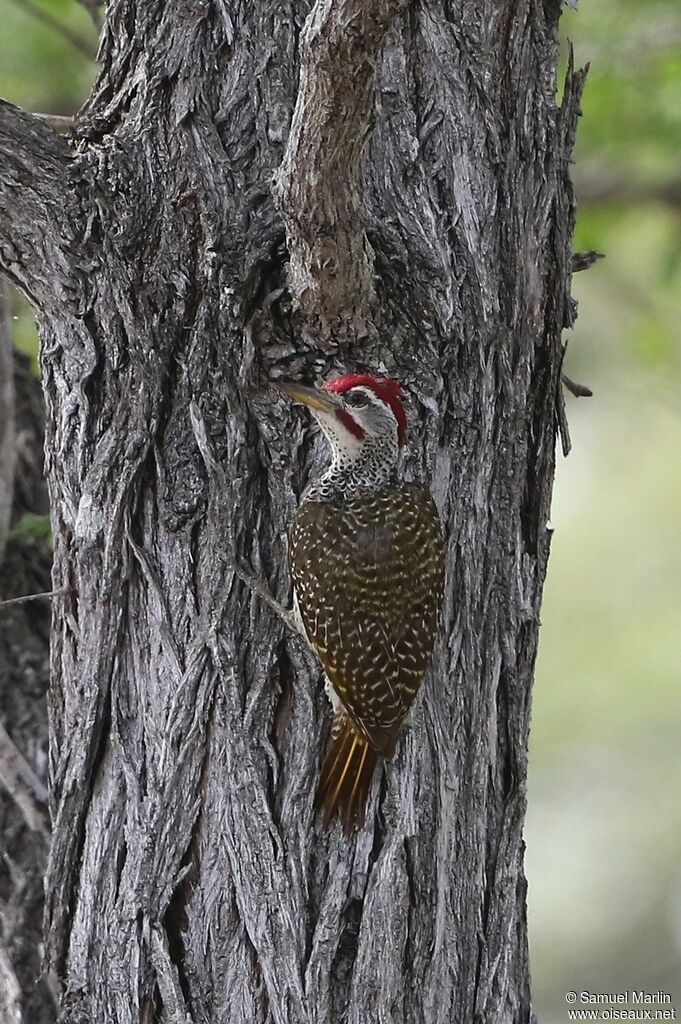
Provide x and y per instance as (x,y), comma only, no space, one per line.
(385,388)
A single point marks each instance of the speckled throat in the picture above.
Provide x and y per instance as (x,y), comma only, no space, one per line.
(369,468)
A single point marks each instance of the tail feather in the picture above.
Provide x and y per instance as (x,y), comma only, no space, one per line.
(346,775)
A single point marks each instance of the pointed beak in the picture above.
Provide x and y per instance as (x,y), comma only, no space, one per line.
(313,398)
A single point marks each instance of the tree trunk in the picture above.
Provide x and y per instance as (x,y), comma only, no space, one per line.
(255,192)
(24,665)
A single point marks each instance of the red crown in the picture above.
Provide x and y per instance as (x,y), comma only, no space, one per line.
(385,388)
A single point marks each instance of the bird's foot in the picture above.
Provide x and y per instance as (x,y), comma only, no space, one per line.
(256,586)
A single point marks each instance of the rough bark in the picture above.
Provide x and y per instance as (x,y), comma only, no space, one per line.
(318,184)
(7,425)
(188,878)
(25,997)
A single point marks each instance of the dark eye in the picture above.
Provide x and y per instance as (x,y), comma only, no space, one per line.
(356,399)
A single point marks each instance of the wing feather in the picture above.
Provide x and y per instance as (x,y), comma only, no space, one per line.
(368,575)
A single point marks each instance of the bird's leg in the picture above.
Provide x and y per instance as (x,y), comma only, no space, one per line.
(215,470)
(256,586)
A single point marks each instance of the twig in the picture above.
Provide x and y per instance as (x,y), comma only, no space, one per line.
(602,185)
(58,122)
(261,590)
(72,37)
(563,428)
(215,469)
(584,260)
(22,784)
(34,597)
(578,390)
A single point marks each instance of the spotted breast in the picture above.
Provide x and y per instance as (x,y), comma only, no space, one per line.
(368,576)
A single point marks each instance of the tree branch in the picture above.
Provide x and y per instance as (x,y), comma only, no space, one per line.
(22,784)
(578,390)
(317,188)
(44,594)
(57,122)
(584,260)
(602,185)
(36,218)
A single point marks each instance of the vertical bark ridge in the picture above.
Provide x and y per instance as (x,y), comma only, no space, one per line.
(318,185)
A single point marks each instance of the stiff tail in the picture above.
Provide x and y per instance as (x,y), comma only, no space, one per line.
(346,775)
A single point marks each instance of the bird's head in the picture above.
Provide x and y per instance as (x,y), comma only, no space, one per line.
(357,412)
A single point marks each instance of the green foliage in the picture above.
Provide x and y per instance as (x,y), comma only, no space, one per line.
(627,169)
(604,819)
(632,110)
(39,68)
(630,305)
(32,527)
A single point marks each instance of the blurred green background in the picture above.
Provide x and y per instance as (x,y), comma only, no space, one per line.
(604,822)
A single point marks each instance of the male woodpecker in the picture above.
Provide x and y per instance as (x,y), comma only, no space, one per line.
(367,562)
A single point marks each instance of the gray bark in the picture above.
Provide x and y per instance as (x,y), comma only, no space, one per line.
(318,185)
(25,997)
(7,426)
(188,878)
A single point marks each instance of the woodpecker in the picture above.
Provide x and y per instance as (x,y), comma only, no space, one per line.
(367,562)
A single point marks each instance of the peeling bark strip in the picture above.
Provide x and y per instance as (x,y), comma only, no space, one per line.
(318,186)
(188,880)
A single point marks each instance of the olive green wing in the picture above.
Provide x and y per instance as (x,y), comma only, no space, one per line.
(369,577)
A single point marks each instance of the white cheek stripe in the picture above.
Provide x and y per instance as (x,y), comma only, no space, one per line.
(345,445)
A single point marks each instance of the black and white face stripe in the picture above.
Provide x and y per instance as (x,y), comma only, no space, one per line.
(365,415)
(363,434)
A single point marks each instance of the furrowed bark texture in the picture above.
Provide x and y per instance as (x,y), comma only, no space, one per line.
(7,424)
(188,877)
(25,997)
(318,187)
